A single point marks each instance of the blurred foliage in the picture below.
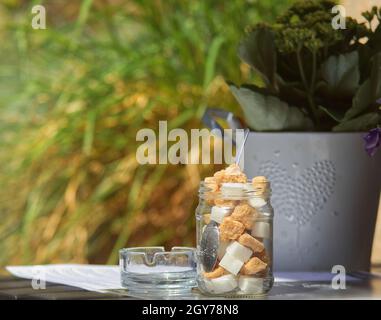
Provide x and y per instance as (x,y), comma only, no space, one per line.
(316,77)
(72,98)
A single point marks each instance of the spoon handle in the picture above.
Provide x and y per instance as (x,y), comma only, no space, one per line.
(242,146)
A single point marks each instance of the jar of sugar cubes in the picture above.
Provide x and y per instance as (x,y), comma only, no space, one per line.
(234,235)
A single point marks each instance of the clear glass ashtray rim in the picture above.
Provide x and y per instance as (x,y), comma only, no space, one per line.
(156,257)
(156,250)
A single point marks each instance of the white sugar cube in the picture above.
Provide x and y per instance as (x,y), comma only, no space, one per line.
(249,187)
(232,189)
(222,249)
(257,202)
(261,229)
(222,284)
(208,285)
(239,251)
(250,285)
(219,213)
(231,263)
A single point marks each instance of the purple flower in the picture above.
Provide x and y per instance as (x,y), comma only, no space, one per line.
(372,141)
(378,101)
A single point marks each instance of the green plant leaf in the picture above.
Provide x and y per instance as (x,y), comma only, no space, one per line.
(89,132)
(258,51)
(368,92)
(210,64)
(360,123)
(375,77)
(268,113)
(375,39)
(360,101)
(334,114)
(341,73)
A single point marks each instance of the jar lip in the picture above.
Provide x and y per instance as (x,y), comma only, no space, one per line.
(249,191)
(248,184)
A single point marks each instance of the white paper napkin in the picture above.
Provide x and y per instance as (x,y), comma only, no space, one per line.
(89,277)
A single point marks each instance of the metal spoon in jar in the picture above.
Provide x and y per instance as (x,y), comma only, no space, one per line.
(242,147)
(209,246)
(211,236)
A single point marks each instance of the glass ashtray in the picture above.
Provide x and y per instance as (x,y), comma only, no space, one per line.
(152,270)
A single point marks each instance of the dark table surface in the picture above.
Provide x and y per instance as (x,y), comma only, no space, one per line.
(364,286)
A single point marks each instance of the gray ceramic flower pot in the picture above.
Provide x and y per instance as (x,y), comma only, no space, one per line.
(325,193)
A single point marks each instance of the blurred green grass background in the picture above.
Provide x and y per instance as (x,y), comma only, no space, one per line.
(72,98)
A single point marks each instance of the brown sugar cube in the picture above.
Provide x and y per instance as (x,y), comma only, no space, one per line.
(206,218)
(237,178)
(210,202)
(260,185)
(210,180)
(259,180)
(253,266)
(244,214)
(212,186)
(211,183)
(210,198)
(234,169)
(216,273)
(232,173)
(250,242)
(219,174)
(231,229)
(225,203)
(263,256)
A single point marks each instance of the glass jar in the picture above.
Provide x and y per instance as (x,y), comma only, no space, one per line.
(235,239)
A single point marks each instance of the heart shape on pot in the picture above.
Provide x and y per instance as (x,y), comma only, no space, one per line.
(300,197)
